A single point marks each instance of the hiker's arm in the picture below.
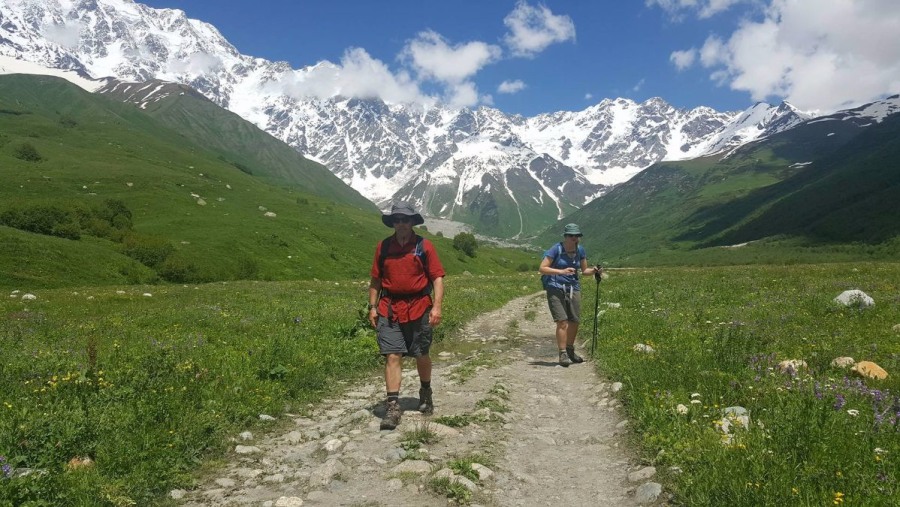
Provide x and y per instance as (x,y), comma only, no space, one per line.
(436,301)
(374,289)
(588,271)
(545,268)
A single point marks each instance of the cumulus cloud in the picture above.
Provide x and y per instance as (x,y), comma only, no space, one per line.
(532,29)
(678,9)
(511,86)
(588,96)
(432,57)
(67,35)
(683,59)
(358,75)
(824,55)
(195,63)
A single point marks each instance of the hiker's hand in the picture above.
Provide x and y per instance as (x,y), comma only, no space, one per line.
(598,273)
(373,317)
(435,318)
(569,271)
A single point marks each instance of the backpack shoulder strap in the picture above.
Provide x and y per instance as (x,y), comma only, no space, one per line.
(383,253)
(556,254)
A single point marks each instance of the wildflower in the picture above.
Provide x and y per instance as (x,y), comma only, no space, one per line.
(795,491)
(853,412)
(839,401)
(838,498)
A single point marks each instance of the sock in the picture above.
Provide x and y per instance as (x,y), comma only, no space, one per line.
(570,347)
(393,396)
(426,385)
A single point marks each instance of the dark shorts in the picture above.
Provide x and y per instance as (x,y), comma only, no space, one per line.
(563,305)
(411,338)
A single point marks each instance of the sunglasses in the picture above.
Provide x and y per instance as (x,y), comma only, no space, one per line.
(403,219)
(573,235)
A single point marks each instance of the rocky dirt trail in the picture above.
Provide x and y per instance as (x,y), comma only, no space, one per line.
(540,433)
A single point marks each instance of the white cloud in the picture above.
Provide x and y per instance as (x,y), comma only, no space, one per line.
(638,86)
(683,59)
(823,55)
(511,86)
(532,29)
(66,35)
(195,64)
(677,9)
(588,96)
(460,95)
(359,75)
(433,58)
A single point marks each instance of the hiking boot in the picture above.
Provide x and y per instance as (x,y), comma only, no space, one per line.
(564,359)
(392,417)
(575,358)
(426,406)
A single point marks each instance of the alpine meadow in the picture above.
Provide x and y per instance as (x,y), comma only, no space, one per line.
(185,259)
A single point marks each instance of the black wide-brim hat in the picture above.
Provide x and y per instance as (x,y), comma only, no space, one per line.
(402,208)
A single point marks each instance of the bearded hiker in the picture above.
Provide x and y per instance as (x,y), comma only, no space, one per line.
(559,269)
(405,295)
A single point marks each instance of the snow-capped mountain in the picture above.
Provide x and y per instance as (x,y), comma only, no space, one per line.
(506,174)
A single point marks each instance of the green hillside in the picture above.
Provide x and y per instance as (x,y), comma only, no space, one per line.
(70,159)
(236,140)
(808,192)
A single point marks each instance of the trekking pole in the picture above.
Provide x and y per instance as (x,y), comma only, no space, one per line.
(596,312)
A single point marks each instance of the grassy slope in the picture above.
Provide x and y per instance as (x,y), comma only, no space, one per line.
(761,191)
(112,145)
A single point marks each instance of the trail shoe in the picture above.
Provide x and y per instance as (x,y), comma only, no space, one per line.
(426,406)
(570,351)
(392,417)
(564,359)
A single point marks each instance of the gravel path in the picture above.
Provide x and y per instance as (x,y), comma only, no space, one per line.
(542,435)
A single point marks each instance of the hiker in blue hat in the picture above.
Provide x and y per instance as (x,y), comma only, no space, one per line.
(559,270)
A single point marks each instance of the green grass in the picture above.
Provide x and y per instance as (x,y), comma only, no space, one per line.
(150,387)
(718,334)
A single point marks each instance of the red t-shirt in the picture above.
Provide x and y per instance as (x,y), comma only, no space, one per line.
(404,274)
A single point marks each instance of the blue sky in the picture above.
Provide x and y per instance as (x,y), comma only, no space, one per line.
(533,57)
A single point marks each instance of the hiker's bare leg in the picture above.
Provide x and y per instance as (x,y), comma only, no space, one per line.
(423,365)
(393,366)
(572,332)
(562,333)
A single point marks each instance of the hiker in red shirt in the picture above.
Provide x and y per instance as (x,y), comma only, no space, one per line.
(405,296)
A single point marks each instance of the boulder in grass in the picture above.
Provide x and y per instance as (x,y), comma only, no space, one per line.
(843,362)
(869,369)
(896,328)
(793,365)
(855,298)
(642,347)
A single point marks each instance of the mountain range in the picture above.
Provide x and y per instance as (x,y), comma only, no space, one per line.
(507,175)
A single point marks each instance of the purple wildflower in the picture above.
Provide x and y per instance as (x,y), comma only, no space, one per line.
(817,389)
(839,401)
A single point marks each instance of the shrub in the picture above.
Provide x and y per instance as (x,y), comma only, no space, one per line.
(465,242)
(148,250)
(27,152)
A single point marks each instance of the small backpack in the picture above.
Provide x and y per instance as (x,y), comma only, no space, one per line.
(579,254)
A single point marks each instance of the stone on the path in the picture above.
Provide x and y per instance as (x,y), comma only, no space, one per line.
(333,445)
(616,387)
(484,473)
(246,435)
(648,493)
(177,494)
(394,485)
(246,449)
(323,475)
(289,501)
(226,482)
(854,297)
(642,474)
(266,417)
(842,362)
(294,437)
(415,466)
(465,482)
(869,369)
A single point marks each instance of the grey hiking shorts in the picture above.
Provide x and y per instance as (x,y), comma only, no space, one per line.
(564,305)
(411,338)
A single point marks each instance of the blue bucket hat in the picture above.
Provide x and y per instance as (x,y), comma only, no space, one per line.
(572,229)
(402,208)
